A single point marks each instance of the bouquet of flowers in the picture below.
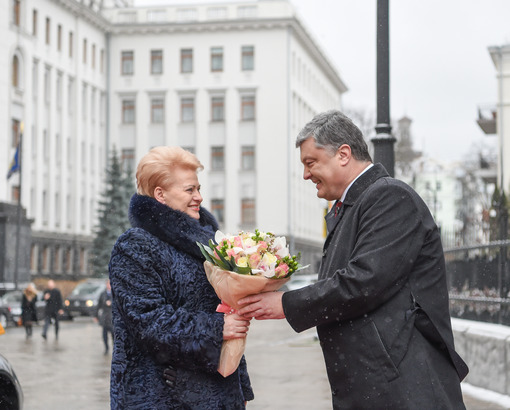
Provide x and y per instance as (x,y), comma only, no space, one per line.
(242,265)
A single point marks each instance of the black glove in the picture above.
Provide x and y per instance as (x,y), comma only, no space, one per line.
(170,375)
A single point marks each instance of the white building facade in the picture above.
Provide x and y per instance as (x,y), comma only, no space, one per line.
(53,91)
(232,82)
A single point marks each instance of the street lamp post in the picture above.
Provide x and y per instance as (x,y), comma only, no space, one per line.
(383,140)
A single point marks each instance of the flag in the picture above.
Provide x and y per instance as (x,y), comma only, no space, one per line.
(14,164)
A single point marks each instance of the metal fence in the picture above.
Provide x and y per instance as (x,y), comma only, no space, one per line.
(478,282)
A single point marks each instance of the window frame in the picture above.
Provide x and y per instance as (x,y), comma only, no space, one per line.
(217,108)
(186,56)
(218,158)
(248,107)
(156,58)
(217,56)
(247,58)
(157,105)
(127,62)
(128,111)
(187,109)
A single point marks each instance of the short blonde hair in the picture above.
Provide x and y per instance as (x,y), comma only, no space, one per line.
(155,168)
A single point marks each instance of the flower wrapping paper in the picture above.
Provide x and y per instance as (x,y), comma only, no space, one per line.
(230,288)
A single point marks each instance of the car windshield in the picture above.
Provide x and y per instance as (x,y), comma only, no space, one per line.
(85,289)
(12,297)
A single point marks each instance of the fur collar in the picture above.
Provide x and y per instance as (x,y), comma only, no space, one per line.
(172,226)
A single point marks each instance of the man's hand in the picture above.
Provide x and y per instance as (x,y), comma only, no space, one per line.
(263,306)
(235,326)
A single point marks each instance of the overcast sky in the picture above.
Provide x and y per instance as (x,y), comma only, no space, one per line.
(441,70)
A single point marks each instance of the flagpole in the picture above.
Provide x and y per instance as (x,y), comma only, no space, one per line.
(18,223)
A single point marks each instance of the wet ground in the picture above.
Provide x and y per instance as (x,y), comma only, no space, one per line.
(71,373)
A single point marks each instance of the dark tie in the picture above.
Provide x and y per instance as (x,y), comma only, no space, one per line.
(337,207)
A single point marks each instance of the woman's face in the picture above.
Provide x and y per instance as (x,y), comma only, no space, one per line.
(183,194)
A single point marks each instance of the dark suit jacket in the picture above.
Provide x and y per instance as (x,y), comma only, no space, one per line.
(381,302)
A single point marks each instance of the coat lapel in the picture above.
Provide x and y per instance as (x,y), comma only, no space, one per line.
(362,183)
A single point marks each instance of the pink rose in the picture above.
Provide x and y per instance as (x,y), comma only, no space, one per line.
(281,270)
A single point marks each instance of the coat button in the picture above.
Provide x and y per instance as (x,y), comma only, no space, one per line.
(324,252)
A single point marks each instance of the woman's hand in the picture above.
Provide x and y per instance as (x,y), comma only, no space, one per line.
(235,327)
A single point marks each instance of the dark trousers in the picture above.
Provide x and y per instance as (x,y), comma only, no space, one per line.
(106,330)
(47,323)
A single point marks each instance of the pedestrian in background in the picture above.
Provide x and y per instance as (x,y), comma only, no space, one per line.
(381,302)
(28,309)
(104,315)
(53,299)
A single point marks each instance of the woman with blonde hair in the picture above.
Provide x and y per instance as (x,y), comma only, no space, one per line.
(28,309)
(167,333)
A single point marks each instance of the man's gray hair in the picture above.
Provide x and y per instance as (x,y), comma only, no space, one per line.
(331,130)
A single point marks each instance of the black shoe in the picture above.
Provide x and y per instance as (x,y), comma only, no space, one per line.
(44,336)
(105,351)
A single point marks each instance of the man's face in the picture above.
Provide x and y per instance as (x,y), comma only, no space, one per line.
(323,169)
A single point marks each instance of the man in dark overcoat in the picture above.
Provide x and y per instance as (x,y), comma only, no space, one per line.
(381,302)
(53,309)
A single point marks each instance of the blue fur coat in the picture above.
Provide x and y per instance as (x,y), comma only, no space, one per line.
(164,313)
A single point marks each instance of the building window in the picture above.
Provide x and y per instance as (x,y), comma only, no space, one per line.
(217,158)
(128,159)
(70,44)
(15,127)
(218,210)
(217,13)
(59,37)
(217,109)
(84,51)
(127,63)
(156,61)
(16,12)
(56,209)
(101,61)
(248,211)
(83,265)
(187,109)
(186,60)
(47,30)
(58,260)
(248,157)
(187,14)
(45,259)
(15,71)
(34,22)
(217,59)
(47,96)
(68,260)
(157,111)
(247,58)
(247,107)
(247,11)
(15,193)
(128,112)
(93,56)
(45,208)
(33,258)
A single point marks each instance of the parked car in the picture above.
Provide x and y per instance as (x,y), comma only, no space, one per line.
(10,307)
(84,298)
(11,394)
(298,281)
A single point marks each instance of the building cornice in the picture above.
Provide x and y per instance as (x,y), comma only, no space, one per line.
(238,25)
(88,14)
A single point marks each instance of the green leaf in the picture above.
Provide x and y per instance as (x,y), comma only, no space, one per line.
(228,263)
(205,252)
(243,270)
